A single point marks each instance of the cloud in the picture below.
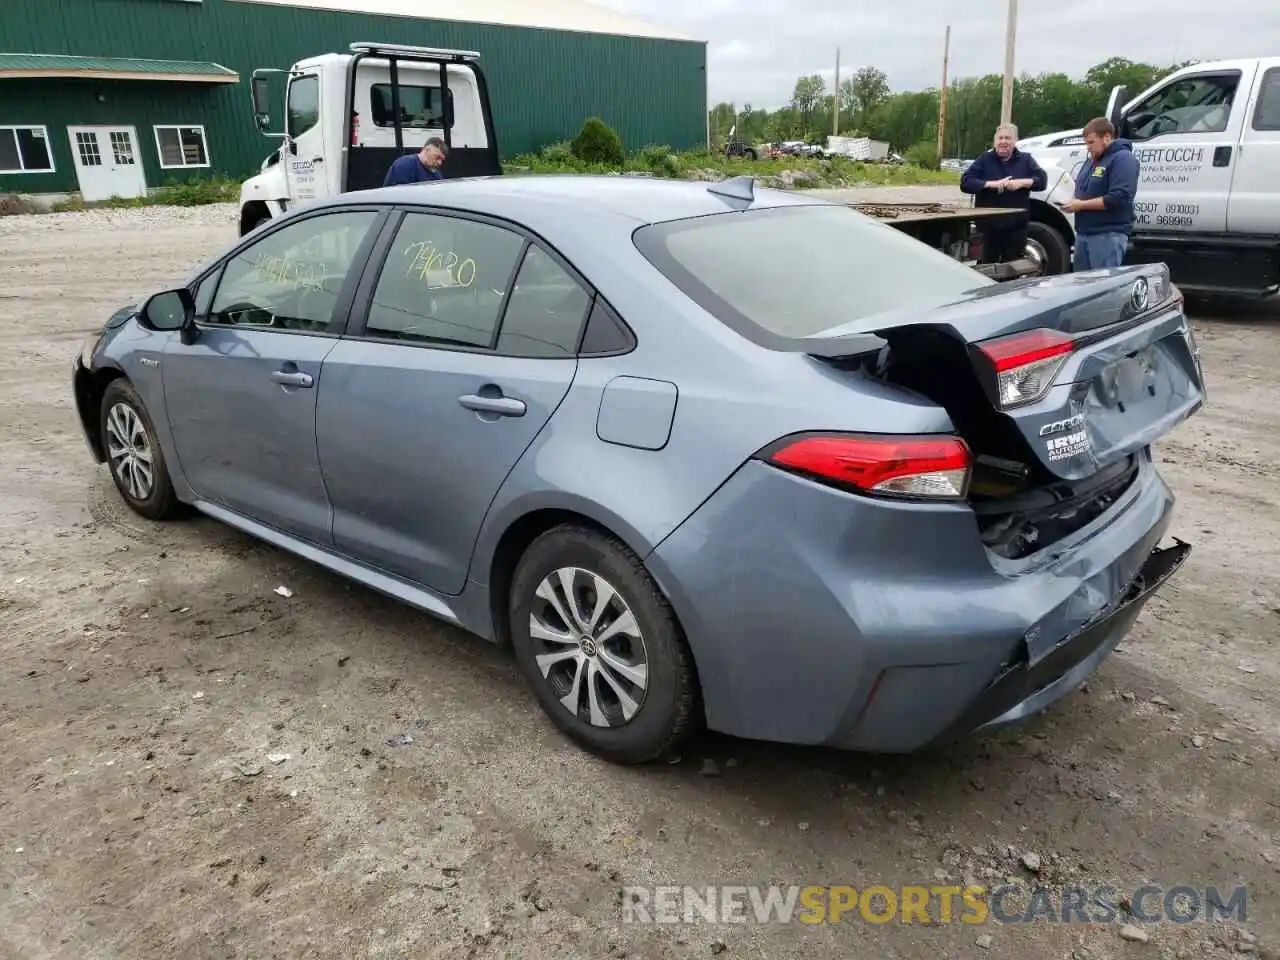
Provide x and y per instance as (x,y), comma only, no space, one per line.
(757,49)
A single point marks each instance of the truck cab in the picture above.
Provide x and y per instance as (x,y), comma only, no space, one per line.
(1207,139)
(348,116)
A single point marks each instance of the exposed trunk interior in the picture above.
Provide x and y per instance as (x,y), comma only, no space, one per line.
(1020,506)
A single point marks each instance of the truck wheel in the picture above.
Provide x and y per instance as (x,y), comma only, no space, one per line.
(1047,247)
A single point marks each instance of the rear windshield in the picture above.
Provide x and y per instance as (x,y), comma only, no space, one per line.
(804,270)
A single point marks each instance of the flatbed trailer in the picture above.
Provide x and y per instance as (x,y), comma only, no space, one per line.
(953,230)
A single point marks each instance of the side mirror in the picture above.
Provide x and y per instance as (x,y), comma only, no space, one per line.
(171,310)
(260,96)
(1115,104)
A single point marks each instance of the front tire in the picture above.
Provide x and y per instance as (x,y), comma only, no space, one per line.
(133,452)
(601,647)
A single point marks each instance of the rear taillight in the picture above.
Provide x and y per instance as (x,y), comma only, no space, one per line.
(933,467)
(1026,363)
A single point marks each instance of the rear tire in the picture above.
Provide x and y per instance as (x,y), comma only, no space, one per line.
(133,453)
(606,657)
(1055,251)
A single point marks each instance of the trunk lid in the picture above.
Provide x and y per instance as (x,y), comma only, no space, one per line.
(1073,373)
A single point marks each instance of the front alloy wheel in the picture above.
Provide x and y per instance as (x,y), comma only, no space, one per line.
(129,452)
(133,454)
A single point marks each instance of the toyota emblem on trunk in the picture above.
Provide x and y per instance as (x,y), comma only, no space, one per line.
(1138,295)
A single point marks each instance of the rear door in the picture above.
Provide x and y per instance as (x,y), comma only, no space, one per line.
(461,347)
(1254,206)
(1186,137)
(242,398)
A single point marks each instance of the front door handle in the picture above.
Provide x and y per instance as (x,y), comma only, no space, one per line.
(292,379)
(503,406)
(1222,156)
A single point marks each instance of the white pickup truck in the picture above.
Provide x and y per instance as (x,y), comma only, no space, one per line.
(1207,138)
(349,116)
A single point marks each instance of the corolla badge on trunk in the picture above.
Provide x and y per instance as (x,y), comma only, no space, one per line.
(1062,426)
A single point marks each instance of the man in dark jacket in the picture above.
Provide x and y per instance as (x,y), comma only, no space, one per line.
(1103,203)
(418,167)
(1005,177)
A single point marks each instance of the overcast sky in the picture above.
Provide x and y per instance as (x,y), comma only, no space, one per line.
(757,48)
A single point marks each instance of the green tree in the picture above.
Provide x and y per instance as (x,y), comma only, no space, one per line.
(806,98)
(864,91)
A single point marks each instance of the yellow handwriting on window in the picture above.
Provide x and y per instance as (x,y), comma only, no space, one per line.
(287,272)
(427,262)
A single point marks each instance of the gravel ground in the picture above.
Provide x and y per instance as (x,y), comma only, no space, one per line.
(151,682)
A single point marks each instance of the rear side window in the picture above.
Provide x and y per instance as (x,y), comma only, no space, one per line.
(1267,114)
(420,107)
(545,310)
(803,270)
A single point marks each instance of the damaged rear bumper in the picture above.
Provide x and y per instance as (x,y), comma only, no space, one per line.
(1024,689)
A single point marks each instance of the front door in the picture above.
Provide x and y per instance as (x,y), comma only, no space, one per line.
(306,166)
(428,404)
(1186,137)
(242,398)
(107,162)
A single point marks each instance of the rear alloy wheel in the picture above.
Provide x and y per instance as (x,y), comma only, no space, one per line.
(600,646)
(133,454)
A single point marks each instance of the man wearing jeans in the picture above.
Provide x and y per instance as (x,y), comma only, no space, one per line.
(1103,202)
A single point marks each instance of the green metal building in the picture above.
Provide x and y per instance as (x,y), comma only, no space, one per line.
(100,91)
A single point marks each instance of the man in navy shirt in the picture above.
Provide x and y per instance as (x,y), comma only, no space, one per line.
(1005,177)
(418,167)
(1103,202)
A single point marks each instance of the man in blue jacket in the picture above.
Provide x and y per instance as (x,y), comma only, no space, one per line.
(1004,176)
(1103,203)
(417,167)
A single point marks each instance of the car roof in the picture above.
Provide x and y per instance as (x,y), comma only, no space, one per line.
(538,198)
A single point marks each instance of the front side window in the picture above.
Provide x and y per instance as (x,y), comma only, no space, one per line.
(803,270)
(443,282)
(1190,105)
(291,278)
(303,109)
(25,150)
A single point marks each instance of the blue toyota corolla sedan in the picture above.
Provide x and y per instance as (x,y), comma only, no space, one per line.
(703,455)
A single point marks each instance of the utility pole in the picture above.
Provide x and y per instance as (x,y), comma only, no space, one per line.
(1011,31)
(835,100)
(942,100)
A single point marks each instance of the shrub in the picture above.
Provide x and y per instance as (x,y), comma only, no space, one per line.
(597,142)
(659,160)
(922,154)
(194,193)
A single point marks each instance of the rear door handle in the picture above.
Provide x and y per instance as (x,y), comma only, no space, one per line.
(292,379)
(503,406)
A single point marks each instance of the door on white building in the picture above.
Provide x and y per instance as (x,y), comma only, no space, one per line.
(107,162)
